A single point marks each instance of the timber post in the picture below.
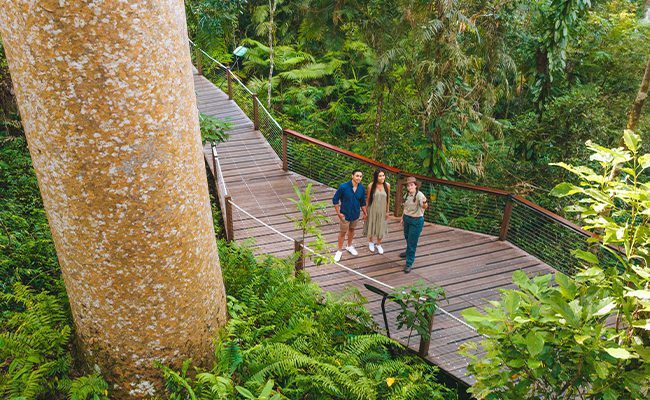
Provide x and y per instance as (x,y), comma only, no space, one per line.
(215,173)
(285,160)
(505,222)
(256,119)
(229,78)
(398,196)
(230,232)
(423,351)
(197,56)
(298,246)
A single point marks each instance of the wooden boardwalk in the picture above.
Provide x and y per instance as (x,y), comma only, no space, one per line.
(471,267)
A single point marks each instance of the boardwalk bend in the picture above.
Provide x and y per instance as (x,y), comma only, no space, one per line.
(473,241)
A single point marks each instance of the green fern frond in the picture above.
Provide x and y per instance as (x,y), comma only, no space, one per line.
(89,387)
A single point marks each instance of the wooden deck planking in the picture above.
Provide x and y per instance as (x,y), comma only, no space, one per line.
(472,267)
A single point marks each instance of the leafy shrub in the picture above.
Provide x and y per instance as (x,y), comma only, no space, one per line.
(587,337)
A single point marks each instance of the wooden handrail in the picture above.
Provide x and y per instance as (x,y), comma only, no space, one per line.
(553,216)
(563,221)
(468,186)
(339,150)
(496,192)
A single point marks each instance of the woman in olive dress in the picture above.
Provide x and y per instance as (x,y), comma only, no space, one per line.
(378,201)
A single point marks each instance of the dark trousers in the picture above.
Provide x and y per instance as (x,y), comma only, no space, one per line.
(412,230)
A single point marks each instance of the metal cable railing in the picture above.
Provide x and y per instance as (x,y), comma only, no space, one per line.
(535,230)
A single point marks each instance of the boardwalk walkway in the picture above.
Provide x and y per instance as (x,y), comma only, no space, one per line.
(471,267)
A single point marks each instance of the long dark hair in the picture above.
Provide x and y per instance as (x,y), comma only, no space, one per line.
(375,177)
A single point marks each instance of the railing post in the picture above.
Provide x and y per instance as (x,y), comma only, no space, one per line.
(505,222)
(423,351)
(285,160)
(256,122)
(197,55)
(398,196)
(300,261)
(229,76)
(215,173)
(230,232)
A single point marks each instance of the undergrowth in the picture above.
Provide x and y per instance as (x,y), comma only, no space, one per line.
(286,333)
(35,322)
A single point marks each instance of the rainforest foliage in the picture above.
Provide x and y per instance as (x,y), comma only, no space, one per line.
(285,336)
(585,336)
(484,91)
(490,92)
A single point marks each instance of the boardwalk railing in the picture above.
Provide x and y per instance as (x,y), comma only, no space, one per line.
(495,212)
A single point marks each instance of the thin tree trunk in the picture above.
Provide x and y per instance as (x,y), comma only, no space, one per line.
(635,112)
(272,5)
(119,165)
(380,108)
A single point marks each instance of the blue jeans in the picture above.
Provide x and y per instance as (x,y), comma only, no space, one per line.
(412,230)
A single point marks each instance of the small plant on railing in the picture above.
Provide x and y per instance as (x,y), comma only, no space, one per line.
(312,216)
(213,129)
(418,303)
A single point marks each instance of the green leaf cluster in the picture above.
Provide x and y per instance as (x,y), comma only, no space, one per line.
(552,340)
(312,216)
(213,129)
(418,303)
(587,336)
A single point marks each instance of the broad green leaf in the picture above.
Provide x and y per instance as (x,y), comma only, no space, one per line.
(511,301)
(606,308)
(601,370)
(533,363)
(593,272)
(516,363)
(639,294)
(644,160)
(267,389)
(580,339)
(619,353)
(520,278)
(473,316)
(567,287)
(534,343)
(565,189)
(643,272)
(642,324)
(631,140)
(245,392)
(586,256)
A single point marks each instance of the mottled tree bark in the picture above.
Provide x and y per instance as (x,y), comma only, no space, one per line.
(635,111)
(107,101)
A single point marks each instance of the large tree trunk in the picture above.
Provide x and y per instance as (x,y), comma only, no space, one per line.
(380,109)
(272,5)
(107,101)
(635,112)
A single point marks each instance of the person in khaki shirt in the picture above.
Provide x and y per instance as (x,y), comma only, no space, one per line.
(414,205)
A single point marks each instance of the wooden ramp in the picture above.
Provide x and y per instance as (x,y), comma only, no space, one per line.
(471,267)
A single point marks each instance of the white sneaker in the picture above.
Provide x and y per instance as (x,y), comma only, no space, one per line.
(352,250)
(338,255)
(371,246)
(380,249)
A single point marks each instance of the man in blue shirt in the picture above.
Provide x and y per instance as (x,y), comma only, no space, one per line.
(352,198)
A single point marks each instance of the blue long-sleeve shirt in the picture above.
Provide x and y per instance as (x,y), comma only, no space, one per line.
(351,201)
